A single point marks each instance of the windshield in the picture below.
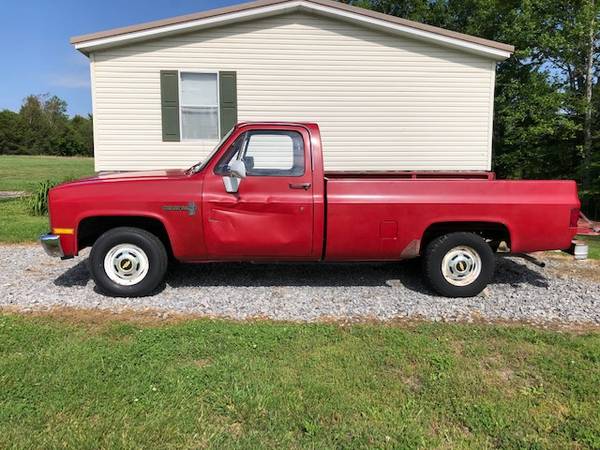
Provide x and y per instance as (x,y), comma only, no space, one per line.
(198,167)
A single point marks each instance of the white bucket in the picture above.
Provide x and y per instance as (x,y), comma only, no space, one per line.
(580,250)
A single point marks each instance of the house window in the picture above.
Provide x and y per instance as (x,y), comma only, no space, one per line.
(199,100)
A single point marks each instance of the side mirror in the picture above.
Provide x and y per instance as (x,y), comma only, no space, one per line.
(237,171)
(237,168)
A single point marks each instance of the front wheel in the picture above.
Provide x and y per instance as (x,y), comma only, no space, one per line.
(458,264)
(128,262)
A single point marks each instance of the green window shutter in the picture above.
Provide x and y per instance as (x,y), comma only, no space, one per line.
(169,99)
(227,101)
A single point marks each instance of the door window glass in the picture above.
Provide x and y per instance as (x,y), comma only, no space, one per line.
(268,153)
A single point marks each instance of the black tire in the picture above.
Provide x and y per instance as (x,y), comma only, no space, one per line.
(147,242)
(434,255)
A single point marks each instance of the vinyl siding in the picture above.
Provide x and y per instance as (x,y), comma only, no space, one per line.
(382,101)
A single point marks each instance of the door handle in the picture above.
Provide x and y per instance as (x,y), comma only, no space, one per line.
(304,186)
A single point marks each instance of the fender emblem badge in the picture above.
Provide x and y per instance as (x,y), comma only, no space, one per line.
(191,208)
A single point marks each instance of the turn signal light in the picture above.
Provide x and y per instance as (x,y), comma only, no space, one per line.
(62,230)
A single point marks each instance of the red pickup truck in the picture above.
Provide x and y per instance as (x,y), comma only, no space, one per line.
(263,195)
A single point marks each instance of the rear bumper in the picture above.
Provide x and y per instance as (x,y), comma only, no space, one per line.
(51,245)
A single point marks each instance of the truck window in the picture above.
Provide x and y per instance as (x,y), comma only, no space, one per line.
(267,153)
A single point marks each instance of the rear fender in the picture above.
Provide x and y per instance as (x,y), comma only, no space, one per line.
(487,225)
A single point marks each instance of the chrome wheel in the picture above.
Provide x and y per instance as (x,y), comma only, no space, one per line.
(461,266)
(126,264)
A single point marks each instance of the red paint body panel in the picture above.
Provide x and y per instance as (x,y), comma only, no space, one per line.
(265,219)
(132,195)
(536,213)
(341,216)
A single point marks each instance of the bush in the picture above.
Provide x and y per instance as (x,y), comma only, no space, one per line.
(38,202)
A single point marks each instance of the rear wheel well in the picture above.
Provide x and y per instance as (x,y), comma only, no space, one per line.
(493,232)
(91,228)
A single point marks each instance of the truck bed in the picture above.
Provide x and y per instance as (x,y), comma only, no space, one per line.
(386,215)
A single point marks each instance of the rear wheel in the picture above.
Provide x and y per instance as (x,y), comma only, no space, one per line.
(458,264)
(128,262)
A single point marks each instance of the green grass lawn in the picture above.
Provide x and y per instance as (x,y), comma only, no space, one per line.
(23,173)
(222,384)
(17,225)
(594,246)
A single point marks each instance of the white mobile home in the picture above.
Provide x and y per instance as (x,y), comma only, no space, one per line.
(388,93)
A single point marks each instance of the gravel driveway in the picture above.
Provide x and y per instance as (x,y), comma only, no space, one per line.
(563,292)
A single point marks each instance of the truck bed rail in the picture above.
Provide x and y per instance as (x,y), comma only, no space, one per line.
(414,175)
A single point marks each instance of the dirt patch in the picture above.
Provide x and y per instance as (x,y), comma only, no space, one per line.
(5,195)
(97,317)
(150,317)
(21,244)
(567,267)
(505,374)
(201,363)
(413,383)
(236,430)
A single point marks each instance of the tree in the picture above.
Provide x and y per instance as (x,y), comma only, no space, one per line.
(10,132)
(84,131)
(35,125)
(42,126)
(545,108)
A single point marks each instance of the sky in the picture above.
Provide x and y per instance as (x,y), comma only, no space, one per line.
(37,57)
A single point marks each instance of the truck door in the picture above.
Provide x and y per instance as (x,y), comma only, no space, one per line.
(271,215)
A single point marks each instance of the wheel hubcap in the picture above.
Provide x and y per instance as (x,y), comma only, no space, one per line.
(461,266)
(126,264)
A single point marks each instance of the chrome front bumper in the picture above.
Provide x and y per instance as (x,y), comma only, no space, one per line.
(51,244)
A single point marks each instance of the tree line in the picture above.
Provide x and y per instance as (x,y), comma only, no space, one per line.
(547,100)
(43,127)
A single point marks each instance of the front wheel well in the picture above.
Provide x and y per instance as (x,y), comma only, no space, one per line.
(493,232)
(91,228)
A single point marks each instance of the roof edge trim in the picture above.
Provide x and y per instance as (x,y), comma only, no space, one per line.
(121,36)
